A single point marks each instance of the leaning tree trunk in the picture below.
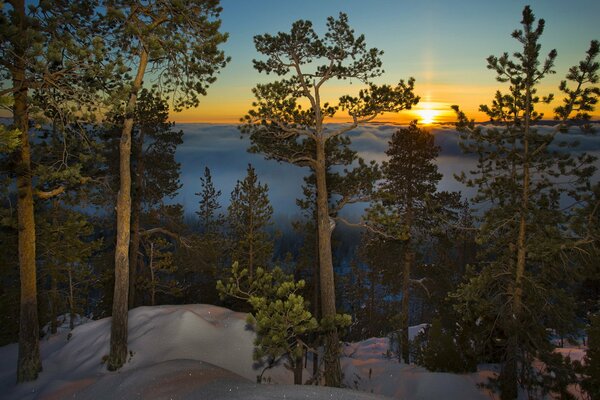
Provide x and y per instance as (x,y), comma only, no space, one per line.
(333,374)
(28,363)
(118,333)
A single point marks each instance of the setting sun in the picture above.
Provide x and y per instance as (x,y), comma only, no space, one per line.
(427,116)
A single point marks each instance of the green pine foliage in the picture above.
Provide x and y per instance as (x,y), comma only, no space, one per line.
(441,351)
(280,314)
(161,269)
(66,277)
(249,216)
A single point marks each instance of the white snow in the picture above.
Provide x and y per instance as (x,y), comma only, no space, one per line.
(204,351)
(366,368)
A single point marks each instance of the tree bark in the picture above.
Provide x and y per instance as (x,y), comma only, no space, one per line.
(408,259)
(316,298)
(53,302)
(298,371)
(333,374)
(28,363)
(71,301)
(118,334)
(152,282)
(53,278)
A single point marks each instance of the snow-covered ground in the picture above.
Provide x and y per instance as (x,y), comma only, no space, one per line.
(203,351)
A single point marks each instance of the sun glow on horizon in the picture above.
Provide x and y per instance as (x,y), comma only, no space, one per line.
(428,113)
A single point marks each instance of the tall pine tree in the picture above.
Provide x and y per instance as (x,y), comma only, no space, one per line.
(47,49)
(407,207)
(283,130)
(516,296)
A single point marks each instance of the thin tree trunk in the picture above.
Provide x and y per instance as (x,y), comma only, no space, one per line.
(372,302)
(135,225)
(71,301)
(298,371)
(28,363)
(118,334)
(152,282)
(53,302)
(408,259)
(333,374)
(53,278)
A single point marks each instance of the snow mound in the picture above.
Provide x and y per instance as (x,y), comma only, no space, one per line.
(201,332)
(366,368)
(205,351)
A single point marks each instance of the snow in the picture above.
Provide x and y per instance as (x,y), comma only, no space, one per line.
(367,369)
(204,351)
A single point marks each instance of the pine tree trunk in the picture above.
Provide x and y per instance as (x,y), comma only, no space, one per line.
(29,363)
(71,301)
(152,282)
(118,334)
(135,224)
(372,302)
(333,374)
(316,302)
(509,378)
(298,371)
(408,257)
(53,302)
(53,279)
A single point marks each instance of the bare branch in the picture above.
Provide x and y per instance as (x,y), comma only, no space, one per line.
(167,232)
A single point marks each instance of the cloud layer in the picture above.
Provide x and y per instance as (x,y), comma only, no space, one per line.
(224,151)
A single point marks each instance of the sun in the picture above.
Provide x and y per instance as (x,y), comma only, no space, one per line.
(427,116)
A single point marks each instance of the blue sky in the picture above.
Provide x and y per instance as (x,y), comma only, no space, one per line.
(443,44)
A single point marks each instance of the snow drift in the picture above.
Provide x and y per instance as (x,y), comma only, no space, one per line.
(204,351)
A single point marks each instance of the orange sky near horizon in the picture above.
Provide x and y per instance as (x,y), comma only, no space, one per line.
(435,104)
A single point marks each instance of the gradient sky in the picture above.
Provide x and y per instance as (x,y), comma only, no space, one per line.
(442,43)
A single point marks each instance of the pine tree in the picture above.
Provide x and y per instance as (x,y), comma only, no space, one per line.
(161,269)
(406,206)
(40,43)
(158,37)
(65,248)
(283,130)
(206,253)
(280,314)
(210,220)
(249,215)
(515,296)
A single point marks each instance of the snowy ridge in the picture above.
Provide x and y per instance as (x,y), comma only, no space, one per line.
(204,351)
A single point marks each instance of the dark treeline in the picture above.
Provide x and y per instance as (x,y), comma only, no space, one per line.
(89,226)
